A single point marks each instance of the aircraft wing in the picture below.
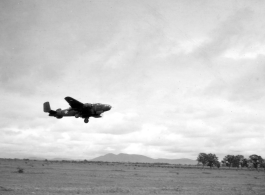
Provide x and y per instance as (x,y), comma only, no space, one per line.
(76,105)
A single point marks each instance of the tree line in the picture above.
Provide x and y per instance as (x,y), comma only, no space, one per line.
(239,161)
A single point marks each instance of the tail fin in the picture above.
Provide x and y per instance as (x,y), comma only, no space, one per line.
(46,107)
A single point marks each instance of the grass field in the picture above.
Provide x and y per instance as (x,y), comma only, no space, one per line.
(40,177)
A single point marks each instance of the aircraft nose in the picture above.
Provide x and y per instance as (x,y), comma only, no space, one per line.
(108,107)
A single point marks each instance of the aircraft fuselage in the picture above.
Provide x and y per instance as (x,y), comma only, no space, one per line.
(78,109)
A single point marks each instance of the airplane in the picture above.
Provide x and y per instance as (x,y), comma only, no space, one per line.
(77,109)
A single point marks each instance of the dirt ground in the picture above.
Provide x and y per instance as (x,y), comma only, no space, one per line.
(65,178)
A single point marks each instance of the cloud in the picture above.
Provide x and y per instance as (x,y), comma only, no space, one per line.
(248,87)
(182,77)
(230,32)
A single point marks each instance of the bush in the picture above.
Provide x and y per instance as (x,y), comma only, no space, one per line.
(20,170)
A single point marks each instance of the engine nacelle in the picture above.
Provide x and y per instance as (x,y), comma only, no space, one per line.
(59,113)
(78,115)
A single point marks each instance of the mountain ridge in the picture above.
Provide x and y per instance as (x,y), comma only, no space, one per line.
(122,157)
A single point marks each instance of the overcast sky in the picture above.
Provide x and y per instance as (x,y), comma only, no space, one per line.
(182,77)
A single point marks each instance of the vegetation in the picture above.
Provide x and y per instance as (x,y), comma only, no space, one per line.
(239,161)
(125,178)
(231,161)
(208,159)
(20,170)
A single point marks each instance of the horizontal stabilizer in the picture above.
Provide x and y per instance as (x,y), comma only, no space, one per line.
(52,113)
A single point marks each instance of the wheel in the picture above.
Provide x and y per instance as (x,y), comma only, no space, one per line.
(86,120)
(77,116)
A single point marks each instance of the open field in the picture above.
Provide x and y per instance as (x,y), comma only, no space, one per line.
(42,177)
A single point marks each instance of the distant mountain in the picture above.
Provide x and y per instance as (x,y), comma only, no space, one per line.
(141,159)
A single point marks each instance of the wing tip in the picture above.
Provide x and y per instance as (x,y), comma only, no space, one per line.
(68,98)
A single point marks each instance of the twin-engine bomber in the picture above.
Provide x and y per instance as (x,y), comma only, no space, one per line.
(78,109)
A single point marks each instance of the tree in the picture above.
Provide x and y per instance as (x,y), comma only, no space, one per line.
(212,160)
(202,158)
(238,160)
(262,165)
(217,164)
(256,160)
(244,162)
(208,159)
(228,160)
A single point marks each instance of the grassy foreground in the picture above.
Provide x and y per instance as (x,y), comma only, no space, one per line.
(53,178)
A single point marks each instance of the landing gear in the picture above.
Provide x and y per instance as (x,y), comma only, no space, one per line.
(86,120)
